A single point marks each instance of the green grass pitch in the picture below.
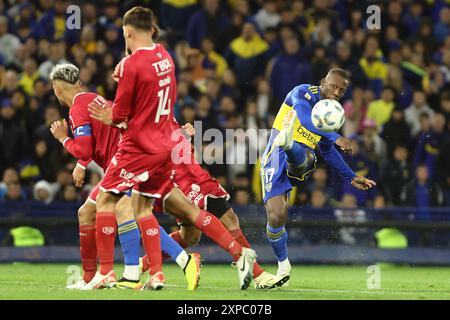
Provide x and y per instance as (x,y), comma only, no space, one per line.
(219,282)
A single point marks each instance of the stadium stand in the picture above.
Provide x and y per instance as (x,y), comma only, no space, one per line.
(235,62)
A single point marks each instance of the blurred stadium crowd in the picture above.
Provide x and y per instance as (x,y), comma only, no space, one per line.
(236,60)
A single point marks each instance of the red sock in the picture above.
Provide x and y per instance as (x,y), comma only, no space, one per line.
(151,241)
(88,252)
(240,238)
(214,229)
(105,235)
(176,235)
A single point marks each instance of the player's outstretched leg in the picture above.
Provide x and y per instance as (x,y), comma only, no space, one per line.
(299,158)
(261,279)
(189,235)
(277,210)
(285,138)
(106,229)
(88,247)
(178,205)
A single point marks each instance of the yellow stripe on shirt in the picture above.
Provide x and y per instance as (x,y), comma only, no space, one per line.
(301,134)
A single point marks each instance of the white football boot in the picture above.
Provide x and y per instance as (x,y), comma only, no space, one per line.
(267,280)
(244,266)
(284,139)
(101,281)
(156,282)
(77,285)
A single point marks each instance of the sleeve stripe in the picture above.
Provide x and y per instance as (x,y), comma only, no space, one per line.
(64,142)
(122,66)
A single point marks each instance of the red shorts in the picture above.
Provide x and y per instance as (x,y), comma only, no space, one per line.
(148,175)
(93,194)
(197,194)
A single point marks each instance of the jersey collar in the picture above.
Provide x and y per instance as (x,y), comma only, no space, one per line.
(146,48)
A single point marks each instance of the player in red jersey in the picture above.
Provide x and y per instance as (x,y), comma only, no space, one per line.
(95,141)
(145,97)
(96,235)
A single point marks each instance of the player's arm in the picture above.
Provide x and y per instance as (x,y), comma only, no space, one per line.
(333,158)
(79,172)
(125,91)
(118,114)
(82,146)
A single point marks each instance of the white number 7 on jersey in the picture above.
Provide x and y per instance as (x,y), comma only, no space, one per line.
(163,105)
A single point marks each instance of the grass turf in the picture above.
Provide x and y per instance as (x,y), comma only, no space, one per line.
(219,282)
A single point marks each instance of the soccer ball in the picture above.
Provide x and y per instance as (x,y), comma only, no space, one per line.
(328,115)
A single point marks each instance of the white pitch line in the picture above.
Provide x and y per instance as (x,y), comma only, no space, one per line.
(327,290)
(378,292)
(20,282)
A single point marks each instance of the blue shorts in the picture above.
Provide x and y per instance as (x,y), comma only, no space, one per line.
(275,178)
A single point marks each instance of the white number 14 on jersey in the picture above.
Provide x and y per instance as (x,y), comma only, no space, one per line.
(163,105)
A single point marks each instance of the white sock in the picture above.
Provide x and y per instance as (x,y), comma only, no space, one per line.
(284,265)
(182,259)
(131,272)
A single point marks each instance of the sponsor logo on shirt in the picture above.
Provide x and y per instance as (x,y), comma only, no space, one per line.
(305,133)
(162,67)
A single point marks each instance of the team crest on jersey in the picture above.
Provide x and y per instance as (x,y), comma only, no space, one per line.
(159,55)
(268,187)
(307,96)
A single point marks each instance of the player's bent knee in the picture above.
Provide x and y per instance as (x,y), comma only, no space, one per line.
(230,220)
(178,205)
(298,174)
(86,214)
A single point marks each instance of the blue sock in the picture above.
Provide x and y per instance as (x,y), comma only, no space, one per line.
(296,155)
(278,238)
(130,238)
(168,245)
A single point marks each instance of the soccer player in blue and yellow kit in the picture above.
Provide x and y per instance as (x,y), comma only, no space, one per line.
(290,157)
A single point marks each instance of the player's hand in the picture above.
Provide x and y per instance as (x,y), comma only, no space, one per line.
(363,183)
(344,143)
(189,128)
(59,130)
(78,176)
(101,113)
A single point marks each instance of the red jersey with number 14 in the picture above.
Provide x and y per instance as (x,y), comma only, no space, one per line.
(145,97)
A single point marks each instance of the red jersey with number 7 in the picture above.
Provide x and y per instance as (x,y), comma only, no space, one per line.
(144,99)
